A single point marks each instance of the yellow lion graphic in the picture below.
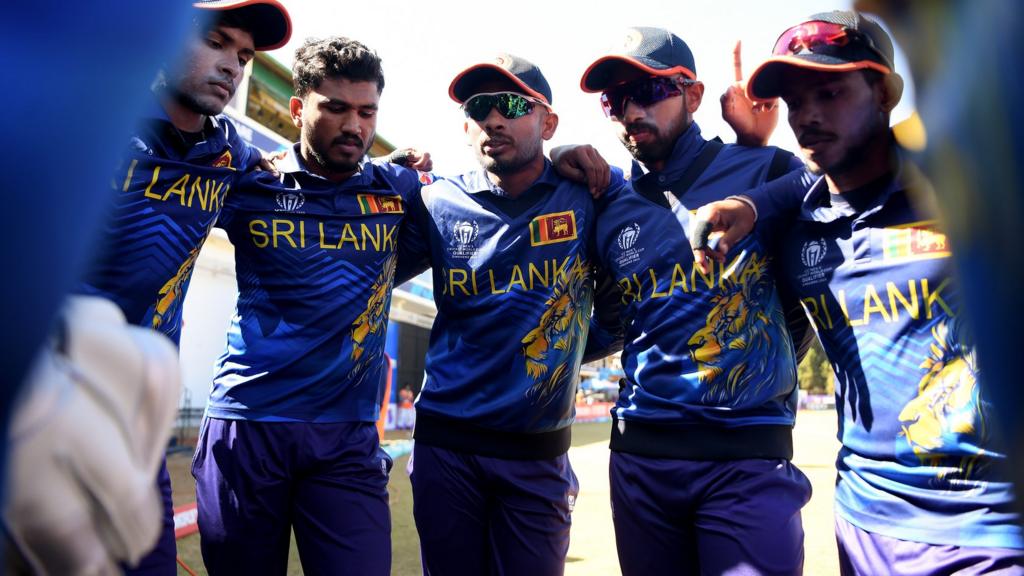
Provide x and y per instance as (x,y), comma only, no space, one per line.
(373,318)
(169,300)
(741,320)
(549,348)
(947,404)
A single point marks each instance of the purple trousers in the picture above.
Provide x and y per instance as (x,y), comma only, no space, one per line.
(480,516)
(162,560)
(257,481)
(738,517)
(863,553)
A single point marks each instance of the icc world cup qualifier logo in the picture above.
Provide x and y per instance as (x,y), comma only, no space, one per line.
(290,201)
(464,235)
(629,253)
(628,236)
(813,253)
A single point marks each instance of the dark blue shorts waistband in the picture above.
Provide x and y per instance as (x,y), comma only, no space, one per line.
(462,436)
(701,442)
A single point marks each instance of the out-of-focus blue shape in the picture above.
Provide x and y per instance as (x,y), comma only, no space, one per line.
(75,76)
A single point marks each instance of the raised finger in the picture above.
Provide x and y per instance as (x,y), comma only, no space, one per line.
(737,61)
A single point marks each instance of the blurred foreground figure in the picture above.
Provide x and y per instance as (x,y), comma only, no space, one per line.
(87,438)
(973,156)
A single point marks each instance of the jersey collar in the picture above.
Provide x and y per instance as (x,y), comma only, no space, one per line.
(477,181)
(907,177)
(293,163)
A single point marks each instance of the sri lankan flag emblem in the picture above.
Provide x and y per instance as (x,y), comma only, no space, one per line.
(551,228)
(374,204)
(223,161)
(916,241)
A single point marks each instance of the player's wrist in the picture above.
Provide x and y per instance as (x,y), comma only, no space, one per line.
(745,200)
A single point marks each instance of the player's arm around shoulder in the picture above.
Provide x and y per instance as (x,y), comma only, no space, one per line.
(413,253)
(584,164)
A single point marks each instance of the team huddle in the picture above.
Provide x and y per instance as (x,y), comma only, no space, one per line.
(539,265)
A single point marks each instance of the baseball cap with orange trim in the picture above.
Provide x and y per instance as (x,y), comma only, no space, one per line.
(521,72)
(272,26)
(838,41)
(653,51)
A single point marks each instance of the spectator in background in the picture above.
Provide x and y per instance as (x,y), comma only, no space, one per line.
(406,412)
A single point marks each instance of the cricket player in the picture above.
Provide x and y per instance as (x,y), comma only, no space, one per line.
(701,473)
(923,484)
(511,247)
(181,164)
(289,440)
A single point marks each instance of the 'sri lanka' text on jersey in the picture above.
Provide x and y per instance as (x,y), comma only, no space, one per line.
(919,461)
(703,351)
(315,265)
(168,193)
(513,285)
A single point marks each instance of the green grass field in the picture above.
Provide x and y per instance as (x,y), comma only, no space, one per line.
(404,541)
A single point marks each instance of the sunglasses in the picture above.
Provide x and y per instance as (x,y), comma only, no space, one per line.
(509,104)
(646,92)
(828,39)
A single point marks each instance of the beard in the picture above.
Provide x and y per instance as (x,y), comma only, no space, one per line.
(522,158)
(852,158)
(336,166)
(332,166)
(658,149)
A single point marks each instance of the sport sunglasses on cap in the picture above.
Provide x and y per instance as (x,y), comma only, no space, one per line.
(509,104)
(825,38)
(644,93)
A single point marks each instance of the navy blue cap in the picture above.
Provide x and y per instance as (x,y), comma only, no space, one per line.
(520,71)
(654,51)
(272,26)
(871,49)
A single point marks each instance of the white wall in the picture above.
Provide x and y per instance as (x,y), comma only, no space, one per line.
(208,309)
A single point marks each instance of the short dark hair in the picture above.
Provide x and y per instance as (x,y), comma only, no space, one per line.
(334,57)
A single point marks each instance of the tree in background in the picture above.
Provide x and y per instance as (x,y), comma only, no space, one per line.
(815,374)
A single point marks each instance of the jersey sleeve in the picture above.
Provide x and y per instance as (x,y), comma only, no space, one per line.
(607,332)
(249,156)
(414,238)
(781,198)
(252,158)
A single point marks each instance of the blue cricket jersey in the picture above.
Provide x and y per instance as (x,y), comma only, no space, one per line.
(513,284)
(315,264)
(169,193)
(873,270)
(710,371)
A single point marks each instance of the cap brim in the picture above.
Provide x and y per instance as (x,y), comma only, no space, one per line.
(271,22)
(612,70)
(766,81)
(464,84)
